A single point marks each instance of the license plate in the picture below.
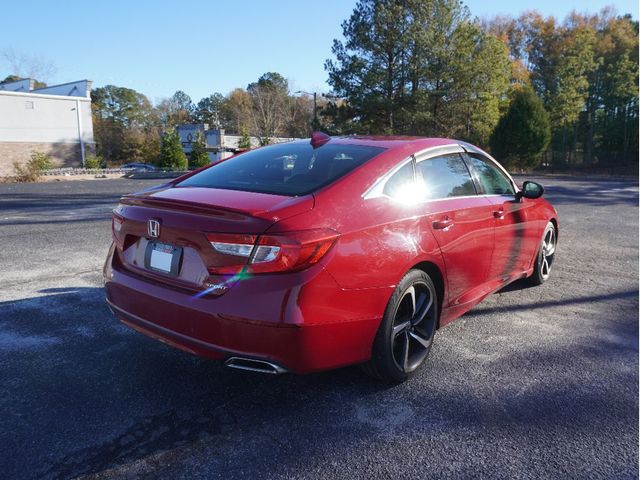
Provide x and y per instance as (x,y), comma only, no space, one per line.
(163,257)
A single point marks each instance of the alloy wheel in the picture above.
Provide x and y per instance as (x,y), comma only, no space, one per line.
(413,327)
(548,250)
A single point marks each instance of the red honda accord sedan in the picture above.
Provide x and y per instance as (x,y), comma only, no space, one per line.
(313,255)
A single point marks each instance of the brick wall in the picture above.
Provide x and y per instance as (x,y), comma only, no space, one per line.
(62,154)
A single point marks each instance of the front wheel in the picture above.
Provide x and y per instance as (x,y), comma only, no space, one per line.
(546,255)
(405,335)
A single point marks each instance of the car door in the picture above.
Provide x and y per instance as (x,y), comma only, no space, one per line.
(514,242)
(461,221)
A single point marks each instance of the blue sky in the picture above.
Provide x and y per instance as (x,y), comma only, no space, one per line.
(203,47)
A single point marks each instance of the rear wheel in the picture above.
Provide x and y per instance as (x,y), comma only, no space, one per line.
(405,335)
(546,255)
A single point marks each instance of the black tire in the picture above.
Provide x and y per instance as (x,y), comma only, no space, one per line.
(404,338)
(545,256)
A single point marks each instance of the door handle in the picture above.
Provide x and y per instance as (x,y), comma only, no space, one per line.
(442,224)
(499,213)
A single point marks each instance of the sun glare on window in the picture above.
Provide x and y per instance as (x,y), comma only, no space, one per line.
(409,193)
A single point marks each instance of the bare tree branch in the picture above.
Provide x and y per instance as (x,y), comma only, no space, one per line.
(27,66)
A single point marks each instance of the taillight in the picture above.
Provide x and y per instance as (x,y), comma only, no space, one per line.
(116,226)
(284,252)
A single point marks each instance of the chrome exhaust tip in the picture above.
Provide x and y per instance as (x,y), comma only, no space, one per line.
(253,365)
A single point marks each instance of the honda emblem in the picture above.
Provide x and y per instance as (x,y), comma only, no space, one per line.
(153,228)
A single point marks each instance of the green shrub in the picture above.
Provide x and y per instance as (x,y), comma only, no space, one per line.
(245,140)
(41,161)
(172,156)
(523,132)
(198,156)
(31,171)
(25,173)
(93,161)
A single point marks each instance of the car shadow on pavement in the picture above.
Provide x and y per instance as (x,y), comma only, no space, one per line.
(522,284)
(605,193)
(622,295)
(83,394)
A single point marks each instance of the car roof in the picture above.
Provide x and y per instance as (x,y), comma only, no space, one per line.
(391,141)
(414,143)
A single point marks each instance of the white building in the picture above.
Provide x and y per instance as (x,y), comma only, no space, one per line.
(55,120)
(219,145)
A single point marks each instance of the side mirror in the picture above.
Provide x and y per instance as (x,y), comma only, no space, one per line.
(530,190)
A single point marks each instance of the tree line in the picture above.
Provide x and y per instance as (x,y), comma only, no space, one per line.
(526,86)
(129,128)
(531,89)
(585,70)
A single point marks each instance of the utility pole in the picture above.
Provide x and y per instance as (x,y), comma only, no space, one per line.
(80,133)
(315,112)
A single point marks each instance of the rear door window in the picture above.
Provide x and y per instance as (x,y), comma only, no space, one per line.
(292,169)
(445,176)
(491,178)
(402,183)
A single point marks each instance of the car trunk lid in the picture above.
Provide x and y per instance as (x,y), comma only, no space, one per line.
(184,216)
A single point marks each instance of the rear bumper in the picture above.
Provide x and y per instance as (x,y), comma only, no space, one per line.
(302,321)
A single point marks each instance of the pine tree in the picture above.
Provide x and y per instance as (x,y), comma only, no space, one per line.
(198,156)
(470,101)
(172,156)
(523,133)
(245,140)
(418,67)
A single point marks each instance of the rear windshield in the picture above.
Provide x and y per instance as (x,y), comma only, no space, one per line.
(284,169)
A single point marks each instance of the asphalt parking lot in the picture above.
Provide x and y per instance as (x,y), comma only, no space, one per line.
(532,383)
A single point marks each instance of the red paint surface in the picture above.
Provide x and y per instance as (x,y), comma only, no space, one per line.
(327,315)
